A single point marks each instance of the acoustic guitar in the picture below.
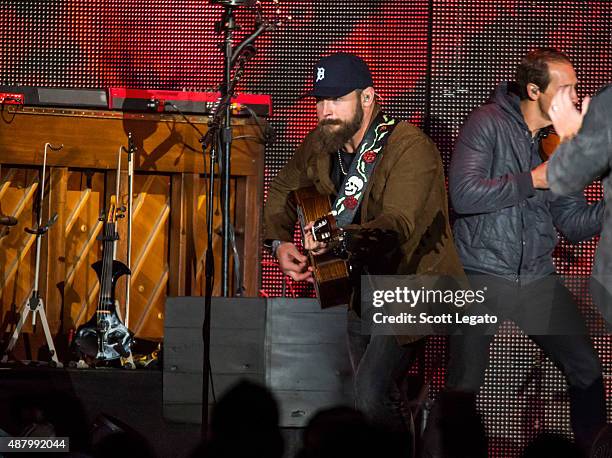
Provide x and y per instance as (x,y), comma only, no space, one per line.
(549,144)
(330,272)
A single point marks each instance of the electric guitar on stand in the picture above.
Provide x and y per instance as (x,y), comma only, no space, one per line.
(104,337)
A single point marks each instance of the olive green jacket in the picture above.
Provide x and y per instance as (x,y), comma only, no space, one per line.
(405,195)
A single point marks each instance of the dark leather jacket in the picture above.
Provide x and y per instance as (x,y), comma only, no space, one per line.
(505,227)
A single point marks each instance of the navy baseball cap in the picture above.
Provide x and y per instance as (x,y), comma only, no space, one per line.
(339,74)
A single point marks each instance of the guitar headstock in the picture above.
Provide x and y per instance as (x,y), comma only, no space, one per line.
(111,214)
(114,212)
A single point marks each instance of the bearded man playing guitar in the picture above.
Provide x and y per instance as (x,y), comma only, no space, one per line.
(387,183)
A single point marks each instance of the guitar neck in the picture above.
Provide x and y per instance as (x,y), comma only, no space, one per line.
(108,256)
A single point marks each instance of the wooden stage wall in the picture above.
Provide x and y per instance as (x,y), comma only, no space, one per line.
(169,211)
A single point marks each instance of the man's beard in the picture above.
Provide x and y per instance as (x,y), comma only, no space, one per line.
(333,139)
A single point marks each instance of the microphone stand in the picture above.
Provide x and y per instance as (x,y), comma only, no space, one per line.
(228,22)
(226,143)
(219,138)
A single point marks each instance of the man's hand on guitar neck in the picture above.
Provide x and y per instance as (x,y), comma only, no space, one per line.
(293,263)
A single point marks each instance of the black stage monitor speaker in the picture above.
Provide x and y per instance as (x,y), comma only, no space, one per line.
(236,350)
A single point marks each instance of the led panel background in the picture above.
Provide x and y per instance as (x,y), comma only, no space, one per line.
(434,61)
(476,46)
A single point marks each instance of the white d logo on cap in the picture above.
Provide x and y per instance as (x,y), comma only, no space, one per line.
(320,74)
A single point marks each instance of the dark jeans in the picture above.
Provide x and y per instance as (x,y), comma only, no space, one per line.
(573,353)
(379,365)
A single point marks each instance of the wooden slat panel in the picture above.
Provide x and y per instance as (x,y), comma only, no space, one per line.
(82,249)
(17,247)
(249,202)
(178,237)
(56,242)
(169,231)
(5,183)
(151,317)
(71,219)
(150,269)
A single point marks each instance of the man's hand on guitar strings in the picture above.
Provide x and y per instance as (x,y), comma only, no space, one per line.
(310,244)
(293,263)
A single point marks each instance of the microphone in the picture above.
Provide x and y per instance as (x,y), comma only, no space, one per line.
(7,220)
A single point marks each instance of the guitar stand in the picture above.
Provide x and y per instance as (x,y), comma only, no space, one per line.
(35,303)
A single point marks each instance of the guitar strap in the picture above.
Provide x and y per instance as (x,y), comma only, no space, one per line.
(355,182)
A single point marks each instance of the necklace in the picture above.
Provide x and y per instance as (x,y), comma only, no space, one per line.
(344,172)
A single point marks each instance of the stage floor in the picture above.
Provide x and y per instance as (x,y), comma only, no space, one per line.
(75,397)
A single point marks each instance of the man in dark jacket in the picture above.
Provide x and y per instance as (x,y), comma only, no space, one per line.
(505,234)
(404,197)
